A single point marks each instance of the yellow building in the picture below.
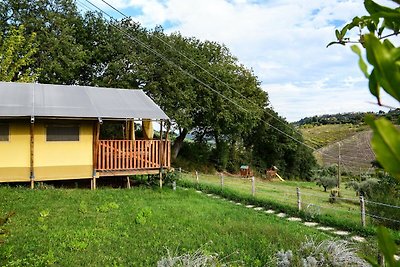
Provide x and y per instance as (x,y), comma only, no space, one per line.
(52,132)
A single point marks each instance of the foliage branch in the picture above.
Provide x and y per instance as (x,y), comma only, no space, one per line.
(375,32)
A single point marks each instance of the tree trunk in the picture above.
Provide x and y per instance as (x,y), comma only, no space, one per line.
(178,143)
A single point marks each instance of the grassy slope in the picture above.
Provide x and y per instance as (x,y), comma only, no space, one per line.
(356,153)
(314,199)
(97,228)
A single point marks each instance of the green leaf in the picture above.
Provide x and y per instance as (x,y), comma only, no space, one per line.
(361,62)
(387,246)
(386,70)
(374,87)
(337,33)
(386,144)
(343,31)
(331,43)
(373,7)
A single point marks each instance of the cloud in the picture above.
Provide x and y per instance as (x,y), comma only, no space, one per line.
(283,41)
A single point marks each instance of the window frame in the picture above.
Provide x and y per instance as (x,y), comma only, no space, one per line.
(57,128)
(7,139)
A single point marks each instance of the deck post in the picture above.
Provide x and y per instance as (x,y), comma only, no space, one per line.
(128,182)
(161,153)
(93,181)
(96,136)
(32,152)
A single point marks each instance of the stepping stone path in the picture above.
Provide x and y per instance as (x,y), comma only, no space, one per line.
(341,233)
(310,224)
(358,239)
(294,219)
(325,228)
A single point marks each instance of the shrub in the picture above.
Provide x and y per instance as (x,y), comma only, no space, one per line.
(386,191)
(364,188)
(327,182)
(327,253)
(199,258)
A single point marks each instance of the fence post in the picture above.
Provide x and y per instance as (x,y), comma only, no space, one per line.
(197,177)
(362,206)
(298,199)
(253,186)
(174,185)
(222,180)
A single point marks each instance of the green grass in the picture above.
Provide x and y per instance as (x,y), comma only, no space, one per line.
(119,227)
(344,214)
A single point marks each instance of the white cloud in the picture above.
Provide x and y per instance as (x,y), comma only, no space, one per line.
(283,41)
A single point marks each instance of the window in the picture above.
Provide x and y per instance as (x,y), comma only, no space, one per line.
(4,132)
(62,133)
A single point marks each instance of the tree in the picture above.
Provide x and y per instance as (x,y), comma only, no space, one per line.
(16,56)
(57,24)
(273,143)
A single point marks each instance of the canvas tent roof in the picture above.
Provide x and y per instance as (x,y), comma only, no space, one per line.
(67,101)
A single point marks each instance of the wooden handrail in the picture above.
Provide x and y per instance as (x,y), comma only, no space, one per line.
(132,154)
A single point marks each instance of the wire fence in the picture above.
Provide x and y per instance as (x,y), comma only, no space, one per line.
(308,202)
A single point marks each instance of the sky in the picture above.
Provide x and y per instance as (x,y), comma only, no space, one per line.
(283,42)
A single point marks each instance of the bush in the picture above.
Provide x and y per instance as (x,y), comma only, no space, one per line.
(326,253)
(364,188)
(327,182)
(386,191)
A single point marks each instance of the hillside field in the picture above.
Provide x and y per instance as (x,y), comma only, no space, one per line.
(354,140)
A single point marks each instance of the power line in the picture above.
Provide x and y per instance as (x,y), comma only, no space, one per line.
(197,79)
(213,76)
(167,60)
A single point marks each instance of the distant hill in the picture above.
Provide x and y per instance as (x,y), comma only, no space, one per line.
(323,135)
(326,132)
(346,118)
(355,152)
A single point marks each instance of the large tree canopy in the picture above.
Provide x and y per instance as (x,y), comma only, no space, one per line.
(200,85)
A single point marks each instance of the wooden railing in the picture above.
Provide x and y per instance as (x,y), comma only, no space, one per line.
(132,154)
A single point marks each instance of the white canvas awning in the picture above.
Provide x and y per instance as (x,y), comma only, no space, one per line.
(67,101)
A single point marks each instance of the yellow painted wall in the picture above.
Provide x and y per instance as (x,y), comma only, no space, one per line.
(54,160)
(14,154)
(63,159)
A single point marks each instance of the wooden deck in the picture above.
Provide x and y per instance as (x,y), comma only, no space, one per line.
(120,157)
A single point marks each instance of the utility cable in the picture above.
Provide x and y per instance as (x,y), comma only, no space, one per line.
(126,34)
(198,80)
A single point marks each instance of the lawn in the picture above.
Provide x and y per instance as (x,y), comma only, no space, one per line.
(121,227)
(314,200)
